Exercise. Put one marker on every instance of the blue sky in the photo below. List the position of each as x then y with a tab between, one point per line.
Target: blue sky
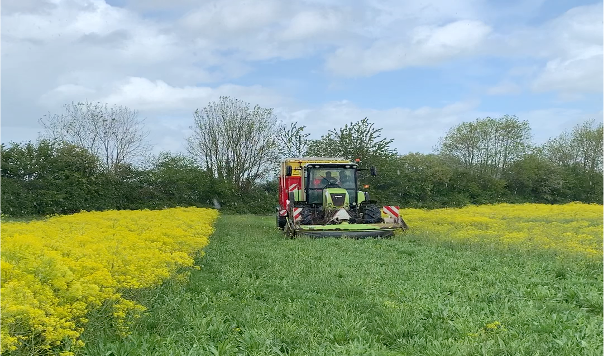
414	69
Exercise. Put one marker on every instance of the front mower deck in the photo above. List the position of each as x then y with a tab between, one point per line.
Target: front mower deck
357	231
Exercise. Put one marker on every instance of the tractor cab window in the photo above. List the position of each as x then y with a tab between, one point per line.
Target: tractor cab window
346	179
335	177
321	178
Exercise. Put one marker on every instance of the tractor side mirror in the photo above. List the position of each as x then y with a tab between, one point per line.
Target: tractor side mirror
288	171
373	171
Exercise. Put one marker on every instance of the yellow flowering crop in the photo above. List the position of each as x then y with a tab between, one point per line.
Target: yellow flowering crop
54	271
574	228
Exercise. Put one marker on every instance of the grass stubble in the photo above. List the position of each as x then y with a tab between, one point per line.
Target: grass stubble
258	293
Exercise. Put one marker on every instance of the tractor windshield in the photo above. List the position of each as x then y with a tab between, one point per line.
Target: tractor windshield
334	177
330	177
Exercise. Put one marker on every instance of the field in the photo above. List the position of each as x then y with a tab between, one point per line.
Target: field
504	280
260	294
571	229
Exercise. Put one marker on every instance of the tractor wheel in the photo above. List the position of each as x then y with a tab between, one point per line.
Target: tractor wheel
281	221
372	214
306	216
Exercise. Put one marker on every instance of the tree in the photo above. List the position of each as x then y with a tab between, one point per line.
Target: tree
355	140
177	180
234	141
361	140
422	180
114	134
293	141
578	154
487	145
581	147
535	179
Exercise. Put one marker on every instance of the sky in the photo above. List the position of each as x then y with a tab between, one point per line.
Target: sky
414	69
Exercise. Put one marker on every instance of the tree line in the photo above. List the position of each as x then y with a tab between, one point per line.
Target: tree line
91	157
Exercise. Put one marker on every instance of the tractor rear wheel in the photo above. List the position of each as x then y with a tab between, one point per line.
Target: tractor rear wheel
281	221
372	214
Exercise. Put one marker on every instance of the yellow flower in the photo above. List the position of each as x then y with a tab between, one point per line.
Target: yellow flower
54	271
573	228
493	326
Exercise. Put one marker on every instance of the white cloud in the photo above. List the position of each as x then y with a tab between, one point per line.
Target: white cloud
571	76
222	19
66	21
75	50
575	64
159	5
90	36
551	122
26	6
416	130
65	93
261	30
311	24
159	97
396	14
427	45
169	62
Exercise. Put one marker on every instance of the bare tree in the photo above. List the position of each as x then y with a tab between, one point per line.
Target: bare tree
115	134
293	141
234	141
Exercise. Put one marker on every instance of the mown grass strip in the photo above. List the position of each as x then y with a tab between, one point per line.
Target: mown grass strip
258	293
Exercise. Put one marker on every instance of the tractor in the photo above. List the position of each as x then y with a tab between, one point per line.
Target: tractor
320	197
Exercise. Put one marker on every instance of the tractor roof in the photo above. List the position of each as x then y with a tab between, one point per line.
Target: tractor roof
306	160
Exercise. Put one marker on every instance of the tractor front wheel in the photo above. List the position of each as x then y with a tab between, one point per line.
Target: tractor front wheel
372	214
306	216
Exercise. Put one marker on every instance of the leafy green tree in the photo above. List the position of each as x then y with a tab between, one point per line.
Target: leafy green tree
179	181
535	179
419	180
358	139
471	187
581	147
487	146
361	140
578	154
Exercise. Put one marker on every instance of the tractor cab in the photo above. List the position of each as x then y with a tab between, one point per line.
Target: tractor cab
331	184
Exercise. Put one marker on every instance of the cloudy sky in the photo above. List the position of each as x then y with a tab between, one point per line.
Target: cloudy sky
414	70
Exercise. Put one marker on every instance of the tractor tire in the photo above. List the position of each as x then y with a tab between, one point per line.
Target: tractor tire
281	221
306	216
372	214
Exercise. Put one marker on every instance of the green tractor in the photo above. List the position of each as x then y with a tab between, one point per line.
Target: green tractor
320	197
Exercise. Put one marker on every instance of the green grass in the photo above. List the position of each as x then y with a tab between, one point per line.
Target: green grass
258	293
